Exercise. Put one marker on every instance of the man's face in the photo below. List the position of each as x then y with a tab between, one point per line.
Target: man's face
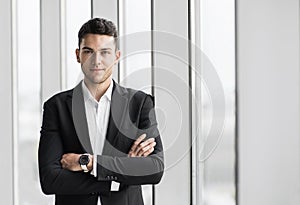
97	56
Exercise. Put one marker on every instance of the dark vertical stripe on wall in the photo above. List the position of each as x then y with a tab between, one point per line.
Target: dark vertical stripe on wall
118	17
60	50
118	26
92	8
14	96
152	73
152	52
189	29
41	57
236	110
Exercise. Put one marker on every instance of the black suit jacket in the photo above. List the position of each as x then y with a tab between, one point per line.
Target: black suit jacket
65	130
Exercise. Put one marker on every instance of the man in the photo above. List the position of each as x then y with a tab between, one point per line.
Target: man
99	141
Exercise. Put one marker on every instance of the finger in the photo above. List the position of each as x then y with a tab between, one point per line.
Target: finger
63	159
66	156
144	144
137	142
131	154
147	153
147	142
152	145
63	164
146	148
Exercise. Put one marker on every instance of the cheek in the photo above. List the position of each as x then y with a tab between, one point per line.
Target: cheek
104	62
110	60
85	65
86	60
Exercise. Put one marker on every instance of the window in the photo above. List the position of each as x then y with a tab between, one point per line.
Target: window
29	121
217	31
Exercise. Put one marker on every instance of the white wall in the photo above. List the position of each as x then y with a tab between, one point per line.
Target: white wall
6	172
268	102
51	59
171	91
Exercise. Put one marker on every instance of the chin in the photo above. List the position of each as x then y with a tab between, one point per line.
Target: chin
98	81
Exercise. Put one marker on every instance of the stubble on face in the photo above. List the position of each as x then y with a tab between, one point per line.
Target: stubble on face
96	75
97	56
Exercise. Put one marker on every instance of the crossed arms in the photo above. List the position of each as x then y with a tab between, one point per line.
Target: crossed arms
139	148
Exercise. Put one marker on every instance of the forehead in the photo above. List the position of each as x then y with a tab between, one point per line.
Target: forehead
97	41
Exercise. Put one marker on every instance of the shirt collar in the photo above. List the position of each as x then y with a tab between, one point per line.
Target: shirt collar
108	92
88	96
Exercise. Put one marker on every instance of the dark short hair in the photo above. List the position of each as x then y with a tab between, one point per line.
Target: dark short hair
98	26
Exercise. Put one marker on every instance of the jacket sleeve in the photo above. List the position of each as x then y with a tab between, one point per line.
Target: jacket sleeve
53	178
136	170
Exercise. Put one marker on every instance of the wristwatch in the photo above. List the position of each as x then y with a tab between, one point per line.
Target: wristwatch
84	159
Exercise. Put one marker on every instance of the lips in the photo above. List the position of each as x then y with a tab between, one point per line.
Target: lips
97	69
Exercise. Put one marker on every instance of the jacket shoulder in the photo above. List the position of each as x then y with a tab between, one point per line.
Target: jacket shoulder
59	97
133	94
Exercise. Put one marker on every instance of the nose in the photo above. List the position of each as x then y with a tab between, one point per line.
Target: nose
97	59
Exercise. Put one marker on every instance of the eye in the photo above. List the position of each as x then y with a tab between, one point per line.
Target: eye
105	52
87	51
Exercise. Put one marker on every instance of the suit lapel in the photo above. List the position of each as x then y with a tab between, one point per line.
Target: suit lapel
118	110
79	118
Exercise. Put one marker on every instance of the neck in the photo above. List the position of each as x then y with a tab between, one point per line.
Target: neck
98	89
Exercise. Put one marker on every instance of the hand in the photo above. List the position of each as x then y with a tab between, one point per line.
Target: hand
70	162
142	148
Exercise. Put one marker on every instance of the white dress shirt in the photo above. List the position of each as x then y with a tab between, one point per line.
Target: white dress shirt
97	114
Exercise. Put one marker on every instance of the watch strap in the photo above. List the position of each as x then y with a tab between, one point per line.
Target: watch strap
84	168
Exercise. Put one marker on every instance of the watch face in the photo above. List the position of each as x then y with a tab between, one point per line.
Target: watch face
84	159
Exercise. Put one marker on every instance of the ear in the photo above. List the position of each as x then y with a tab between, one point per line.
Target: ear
118	55
77	55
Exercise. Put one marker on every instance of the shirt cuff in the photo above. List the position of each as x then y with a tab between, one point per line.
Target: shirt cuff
94	170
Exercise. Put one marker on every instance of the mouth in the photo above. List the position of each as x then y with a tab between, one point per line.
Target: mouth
97	69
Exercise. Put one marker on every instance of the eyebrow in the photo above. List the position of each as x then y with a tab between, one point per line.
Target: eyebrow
88	48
